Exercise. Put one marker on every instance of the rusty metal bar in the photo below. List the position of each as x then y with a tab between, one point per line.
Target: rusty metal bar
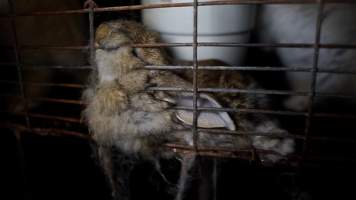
66	119
208	90
271	112
252	133
79	67
250	91
195	76
46	131
18	60
54	47
312	87
249	68
44	116
172	5
46	99
200	44
55	100
63	132
216	152
91	38
209	68
68	85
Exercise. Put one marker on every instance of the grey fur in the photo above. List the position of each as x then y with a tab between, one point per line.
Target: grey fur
122	114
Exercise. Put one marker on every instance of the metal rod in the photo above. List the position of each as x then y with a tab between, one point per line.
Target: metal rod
199	44
91	39
210	90
312	87
252	133
68	85
208	68
54	47
250	91
272	112
39	67
45	116
18	61
172	5
250	68
195	76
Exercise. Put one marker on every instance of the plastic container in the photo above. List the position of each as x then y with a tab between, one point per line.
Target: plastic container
221	23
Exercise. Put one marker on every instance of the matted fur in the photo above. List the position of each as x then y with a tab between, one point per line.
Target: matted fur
122	114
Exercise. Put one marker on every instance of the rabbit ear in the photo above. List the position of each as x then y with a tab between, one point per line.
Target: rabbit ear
206	119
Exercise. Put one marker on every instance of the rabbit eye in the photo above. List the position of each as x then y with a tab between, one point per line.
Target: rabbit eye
135	53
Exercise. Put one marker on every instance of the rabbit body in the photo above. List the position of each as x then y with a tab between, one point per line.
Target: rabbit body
121	112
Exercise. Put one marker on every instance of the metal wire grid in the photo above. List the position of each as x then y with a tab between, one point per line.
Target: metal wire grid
248	153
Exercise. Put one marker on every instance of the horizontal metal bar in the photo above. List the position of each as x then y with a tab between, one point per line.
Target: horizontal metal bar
200	44
249	68
249	91
250	45
60	118
41	67
210	90
45	99
47	131
44	116
209	68
243	110
53	100
264	111
172	5
280	134
335	115
67	85
53	47
217	152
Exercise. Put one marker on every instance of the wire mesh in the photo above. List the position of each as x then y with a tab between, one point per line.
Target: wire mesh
304	135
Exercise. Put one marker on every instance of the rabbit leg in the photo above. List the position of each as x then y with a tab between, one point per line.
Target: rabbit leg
187	163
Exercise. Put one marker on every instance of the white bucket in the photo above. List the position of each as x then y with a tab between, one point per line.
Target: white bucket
222	23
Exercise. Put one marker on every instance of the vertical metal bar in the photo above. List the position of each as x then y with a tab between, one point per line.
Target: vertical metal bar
18	62
91	38
314	76
195	75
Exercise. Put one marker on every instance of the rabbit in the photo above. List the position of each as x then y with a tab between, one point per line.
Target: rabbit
297	24
123	114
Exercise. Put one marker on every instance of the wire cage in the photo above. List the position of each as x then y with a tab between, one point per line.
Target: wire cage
70	124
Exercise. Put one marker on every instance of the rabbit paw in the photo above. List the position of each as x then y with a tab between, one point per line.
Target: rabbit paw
280	146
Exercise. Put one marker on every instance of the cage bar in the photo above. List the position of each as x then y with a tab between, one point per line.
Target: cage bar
312	87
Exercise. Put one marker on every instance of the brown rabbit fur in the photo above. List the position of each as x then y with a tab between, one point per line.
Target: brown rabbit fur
122	114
